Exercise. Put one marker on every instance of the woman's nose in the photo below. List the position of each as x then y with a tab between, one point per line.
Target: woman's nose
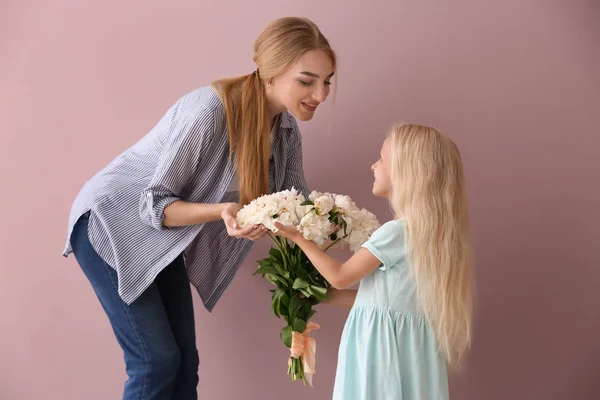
320	95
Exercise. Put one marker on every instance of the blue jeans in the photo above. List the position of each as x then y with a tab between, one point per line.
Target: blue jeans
156	332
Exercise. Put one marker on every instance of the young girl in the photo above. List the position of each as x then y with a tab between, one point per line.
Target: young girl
162	213
412	313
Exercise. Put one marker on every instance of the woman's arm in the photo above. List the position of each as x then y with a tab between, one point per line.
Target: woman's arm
177	164
161	205
182	213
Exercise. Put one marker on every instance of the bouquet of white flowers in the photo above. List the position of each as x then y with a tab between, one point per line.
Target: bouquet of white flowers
326	219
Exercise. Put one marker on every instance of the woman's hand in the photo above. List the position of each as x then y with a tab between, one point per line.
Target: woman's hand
229	214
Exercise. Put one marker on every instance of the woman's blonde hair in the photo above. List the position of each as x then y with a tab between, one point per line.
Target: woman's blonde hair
429	192
277	48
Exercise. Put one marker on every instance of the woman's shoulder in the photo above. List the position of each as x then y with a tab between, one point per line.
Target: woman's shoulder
200	100
202	105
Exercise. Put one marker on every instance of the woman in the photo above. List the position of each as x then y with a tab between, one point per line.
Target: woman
150	222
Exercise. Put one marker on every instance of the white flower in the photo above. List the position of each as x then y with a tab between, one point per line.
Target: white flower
324	204
312	220
356	239
315	227
362	225
268	209
314	195
251	214
301	211
344	203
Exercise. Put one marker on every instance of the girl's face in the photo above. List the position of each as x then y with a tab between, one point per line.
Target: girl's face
382	186
303	87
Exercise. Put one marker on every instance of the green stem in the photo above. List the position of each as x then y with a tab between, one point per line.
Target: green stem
331	245
274	240
301	370
284	252
282	246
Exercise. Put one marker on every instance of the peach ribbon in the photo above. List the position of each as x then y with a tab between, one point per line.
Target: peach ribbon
305	347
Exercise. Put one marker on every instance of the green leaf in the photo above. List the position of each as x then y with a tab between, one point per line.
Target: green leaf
276	255
285	300
302	274
273	278
306	307
276	302
306	293
318	289
307	203
276	307
286	336
292	261
318	292
294	306
281	271
299	325
300	284
304	311
265	270
310	314
316	277
295	303
333	216
266	262
310	275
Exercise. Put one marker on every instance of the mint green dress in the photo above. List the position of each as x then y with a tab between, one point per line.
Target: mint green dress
388	351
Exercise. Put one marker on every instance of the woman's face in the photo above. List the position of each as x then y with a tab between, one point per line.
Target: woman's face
302	87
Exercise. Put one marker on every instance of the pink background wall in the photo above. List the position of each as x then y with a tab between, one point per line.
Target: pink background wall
515	83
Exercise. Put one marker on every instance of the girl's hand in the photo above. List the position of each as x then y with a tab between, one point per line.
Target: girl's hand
288	232
229	215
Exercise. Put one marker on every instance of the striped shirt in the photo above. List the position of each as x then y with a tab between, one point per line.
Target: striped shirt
184	157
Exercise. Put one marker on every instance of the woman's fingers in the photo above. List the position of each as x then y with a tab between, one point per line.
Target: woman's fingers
259	233
252	232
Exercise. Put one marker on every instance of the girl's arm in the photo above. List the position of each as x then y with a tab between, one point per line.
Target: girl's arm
341	298
340	275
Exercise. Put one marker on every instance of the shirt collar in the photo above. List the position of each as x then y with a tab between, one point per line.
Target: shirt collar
284	120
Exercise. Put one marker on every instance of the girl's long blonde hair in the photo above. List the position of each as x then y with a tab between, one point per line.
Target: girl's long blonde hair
429	192
276	49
